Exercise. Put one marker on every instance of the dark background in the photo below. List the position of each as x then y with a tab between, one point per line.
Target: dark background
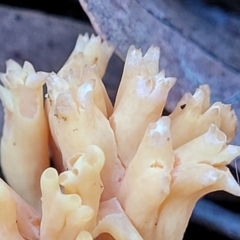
72	9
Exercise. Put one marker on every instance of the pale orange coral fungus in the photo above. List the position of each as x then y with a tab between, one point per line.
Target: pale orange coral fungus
124	171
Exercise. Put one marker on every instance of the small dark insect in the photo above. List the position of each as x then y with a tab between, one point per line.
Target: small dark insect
183	106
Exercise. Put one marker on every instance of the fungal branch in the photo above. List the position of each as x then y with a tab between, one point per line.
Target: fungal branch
122	171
